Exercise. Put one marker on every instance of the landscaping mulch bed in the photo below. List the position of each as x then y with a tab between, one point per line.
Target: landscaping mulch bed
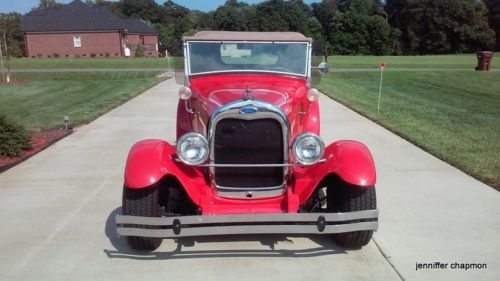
15	82
40	141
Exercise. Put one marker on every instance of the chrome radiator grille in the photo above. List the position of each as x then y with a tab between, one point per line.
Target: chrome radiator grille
254	133
258	141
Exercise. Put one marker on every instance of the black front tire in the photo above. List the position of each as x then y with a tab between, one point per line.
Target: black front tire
348	198
145	203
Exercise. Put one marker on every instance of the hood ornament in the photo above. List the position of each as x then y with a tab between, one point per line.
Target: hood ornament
247	94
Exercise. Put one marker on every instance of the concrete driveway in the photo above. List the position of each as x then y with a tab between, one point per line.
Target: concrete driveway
58	210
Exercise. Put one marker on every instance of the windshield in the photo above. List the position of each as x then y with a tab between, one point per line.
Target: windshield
287	58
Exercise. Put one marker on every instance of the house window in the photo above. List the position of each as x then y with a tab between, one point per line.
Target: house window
77	42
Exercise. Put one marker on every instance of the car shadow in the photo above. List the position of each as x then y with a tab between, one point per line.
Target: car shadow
325	247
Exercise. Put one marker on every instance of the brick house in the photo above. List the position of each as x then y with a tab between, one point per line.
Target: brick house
78	30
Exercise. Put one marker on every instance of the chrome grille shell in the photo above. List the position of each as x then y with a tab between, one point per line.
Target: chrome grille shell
263	110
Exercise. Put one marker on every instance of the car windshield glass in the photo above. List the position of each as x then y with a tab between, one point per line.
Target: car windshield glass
207	57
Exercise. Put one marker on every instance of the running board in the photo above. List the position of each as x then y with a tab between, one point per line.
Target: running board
297	223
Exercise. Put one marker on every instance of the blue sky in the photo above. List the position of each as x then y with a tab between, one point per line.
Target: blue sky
23	6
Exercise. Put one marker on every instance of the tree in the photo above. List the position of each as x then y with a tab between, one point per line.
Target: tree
139	51
175	22
206	21
298	16
14	139
113	6
360	29
172	12
270	16
165	36
315	30
10	24
146	10
441	26
367	7
325	11
49	4
344	26
279	15
494	19
233	16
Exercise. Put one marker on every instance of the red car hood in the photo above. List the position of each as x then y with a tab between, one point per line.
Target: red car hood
284	92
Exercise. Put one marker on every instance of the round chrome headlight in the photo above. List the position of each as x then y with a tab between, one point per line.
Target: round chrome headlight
308	149
192	149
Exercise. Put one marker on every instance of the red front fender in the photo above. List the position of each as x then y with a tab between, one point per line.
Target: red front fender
353	162
149	161
350	160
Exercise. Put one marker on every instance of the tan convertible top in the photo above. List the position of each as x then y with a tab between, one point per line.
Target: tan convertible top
247	36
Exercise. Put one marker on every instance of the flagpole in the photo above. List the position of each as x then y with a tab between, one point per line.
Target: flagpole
382	66
1	61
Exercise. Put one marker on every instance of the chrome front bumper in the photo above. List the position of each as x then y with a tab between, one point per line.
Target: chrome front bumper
299	223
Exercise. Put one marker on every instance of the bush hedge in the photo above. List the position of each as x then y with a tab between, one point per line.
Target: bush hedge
14	139
139	51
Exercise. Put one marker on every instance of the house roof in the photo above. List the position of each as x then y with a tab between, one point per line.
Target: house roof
77	16
248	36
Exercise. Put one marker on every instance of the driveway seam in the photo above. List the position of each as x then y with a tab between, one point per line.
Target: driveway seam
387	258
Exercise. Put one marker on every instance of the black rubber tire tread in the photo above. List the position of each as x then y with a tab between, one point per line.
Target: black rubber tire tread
348	198
143	202
178	202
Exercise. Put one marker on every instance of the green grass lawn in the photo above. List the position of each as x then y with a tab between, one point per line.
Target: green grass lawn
453	115
45	98
466	61
24	63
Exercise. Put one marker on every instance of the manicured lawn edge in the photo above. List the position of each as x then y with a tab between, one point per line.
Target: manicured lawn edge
134	95
10	162
28	155
408	139
80	95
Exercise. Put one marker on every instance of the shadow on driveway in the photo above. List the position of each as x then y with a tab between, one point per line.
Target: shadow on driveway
121	249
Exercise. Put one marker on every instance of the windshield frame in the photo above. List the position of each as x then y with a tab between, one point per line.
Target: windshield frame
187	59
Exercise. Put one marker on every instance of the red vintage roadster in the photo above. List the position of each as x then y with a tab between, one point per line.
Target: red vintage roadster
248	157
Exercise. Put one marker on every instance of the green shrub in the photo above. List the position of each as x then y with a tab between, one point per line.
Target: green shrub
13	138
139	51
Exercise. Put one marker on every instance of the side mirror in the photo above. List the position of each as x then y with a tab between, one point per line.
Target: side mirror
323	68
